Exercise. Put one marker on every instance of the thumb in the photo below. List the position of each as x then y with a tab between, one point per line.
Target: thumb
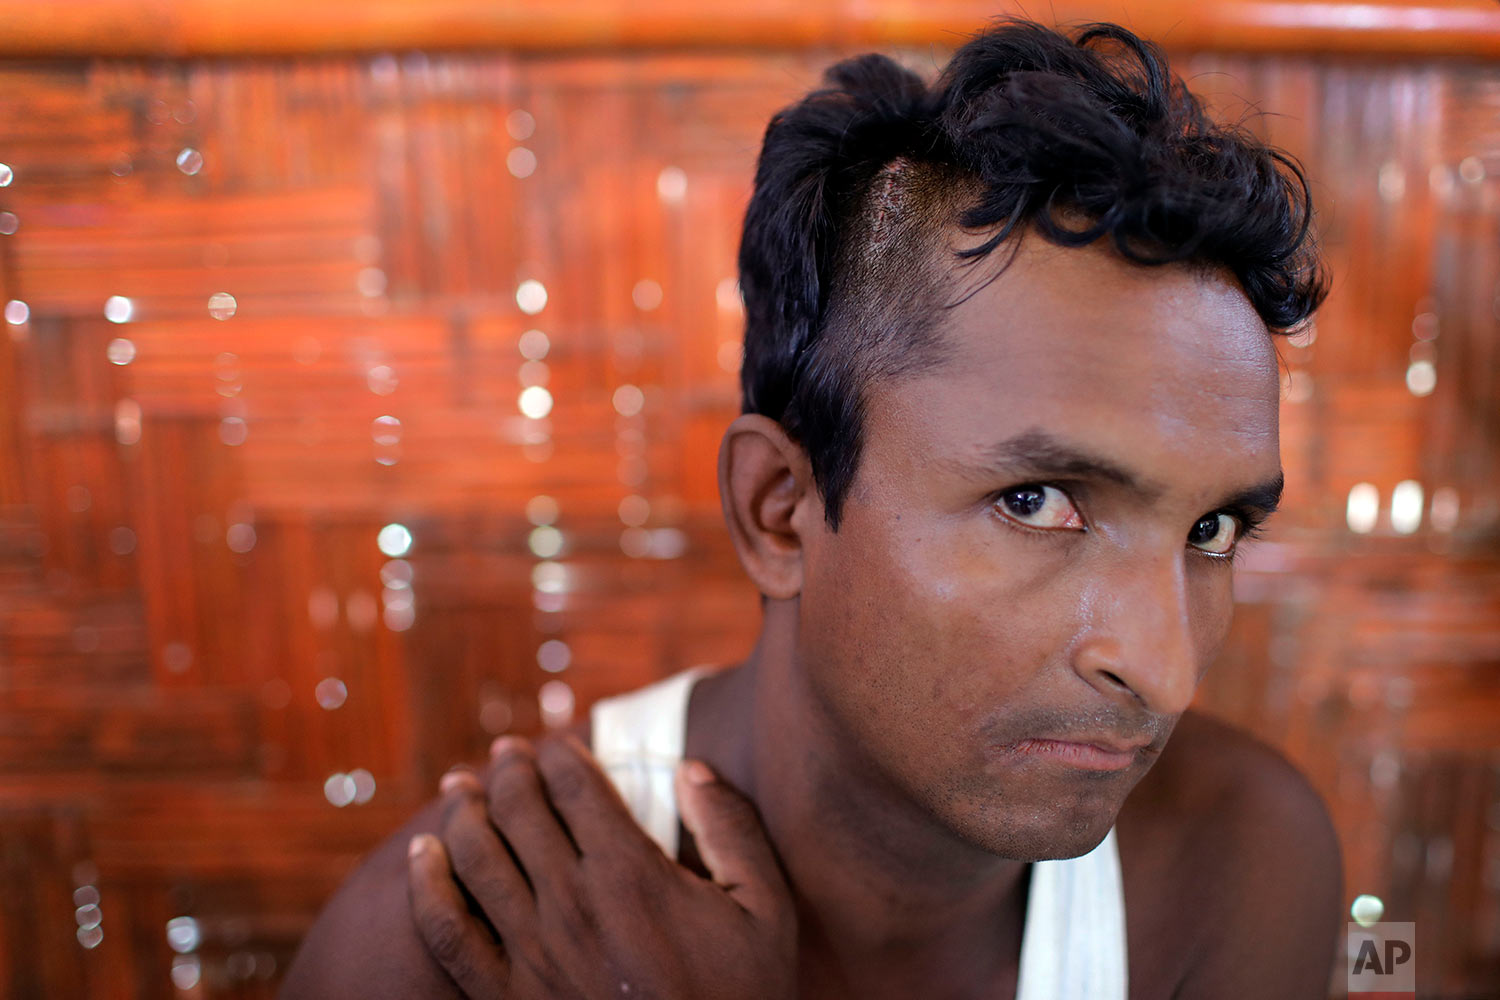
731	840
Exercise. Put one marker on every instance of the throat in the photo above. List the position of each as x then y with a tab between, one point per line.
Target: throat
977	957
886	906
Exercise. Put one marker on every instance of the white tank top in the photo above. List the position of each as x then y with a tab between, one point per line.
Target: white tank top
1073	944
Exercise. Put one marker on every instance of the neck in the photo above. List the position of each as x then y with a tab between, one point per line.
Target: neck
877	879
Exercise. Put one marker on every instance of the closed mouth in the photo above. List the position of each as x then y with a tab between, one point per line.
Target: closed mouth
1091	753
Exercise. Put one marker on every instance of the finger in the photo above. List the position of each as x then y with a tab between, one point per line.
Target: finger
458	941
588	802
460	779
731	840
483	864
519	808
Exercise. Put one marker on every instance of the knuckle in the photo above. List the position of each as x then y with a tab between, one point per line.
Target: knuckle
481	867
576	916
612	881
571	899
443	932
629	882
494	892
550	972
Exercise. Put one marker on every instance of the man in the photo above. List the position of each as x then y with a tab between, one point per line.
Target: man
1010	407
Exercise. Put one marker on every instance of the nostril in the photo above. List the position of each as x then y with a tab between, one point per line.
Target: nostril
1115	679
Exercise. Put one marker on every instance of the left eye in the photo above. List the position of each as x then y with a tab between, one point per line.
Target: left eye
1215	534
1039	506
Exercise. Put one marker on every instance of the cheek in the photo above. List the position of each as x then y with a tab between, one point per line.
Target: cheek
938	621
1211	611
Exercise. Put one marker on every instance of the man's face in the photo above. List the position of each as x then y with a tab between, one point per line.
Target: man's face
1031	572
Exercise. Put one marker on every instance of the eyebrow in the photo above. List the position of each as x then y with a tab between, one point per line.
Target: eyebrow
1041	454
1262	498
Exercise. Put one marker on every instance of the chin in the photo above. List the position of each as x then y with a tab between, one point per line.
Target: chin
1045	832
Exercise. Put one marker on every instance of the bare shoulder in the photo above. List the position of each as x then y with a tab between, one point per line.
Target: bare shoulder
1226	784
1229	850
364	944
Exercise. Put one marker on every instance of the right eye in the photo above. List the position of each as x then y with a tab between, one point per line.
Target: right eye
1037	506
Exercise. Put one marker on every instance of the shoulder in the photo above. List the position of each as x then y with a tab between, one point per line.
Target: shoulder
364	944
1238	851
1239	788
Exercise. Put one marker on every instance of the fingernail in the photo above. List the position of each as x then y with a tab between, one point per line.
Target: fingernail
419	844
695	772
503	745
454	780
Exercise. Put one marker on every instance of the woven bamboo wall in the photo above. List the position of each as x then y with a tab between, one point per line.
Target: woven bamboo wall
261	309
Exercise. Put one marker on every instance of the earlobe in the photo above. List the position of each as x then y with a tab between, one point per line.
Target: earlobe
764	477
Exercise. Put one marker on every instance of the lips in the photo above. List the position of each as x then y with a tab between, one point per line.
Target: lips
1112	744
1089	753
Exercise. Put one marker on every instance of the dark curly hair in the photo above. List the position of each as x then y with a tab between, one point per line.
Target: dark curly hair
1027	130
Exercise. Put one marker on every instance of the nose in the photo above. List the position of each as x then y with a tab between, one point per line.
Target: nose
1138	647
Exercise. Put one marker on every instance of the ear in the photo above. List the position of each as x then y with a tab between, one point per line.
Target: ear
769	499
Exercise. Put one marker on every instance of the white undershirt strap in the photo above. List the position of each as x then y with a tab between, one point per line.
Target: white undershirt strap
638	739
1073	947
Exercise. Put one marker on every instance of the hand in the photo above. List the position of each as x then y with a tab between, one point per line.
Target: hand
584	904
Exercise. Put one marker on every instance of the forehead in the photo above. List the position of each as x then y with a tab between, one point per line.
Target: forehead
1170	366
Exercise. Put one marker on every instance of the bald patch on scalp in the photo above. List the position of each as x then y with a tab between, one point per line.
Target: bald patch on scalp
897	266
904	208
885	201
